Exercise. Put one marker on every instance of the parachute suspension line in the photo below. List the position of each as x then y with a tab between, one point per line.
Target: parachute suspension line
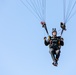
64	9
59	32
68	9
71	16
34	7
44	15
38	9
43	4
44	9
62	25
39	6
67	19
41	9
30	10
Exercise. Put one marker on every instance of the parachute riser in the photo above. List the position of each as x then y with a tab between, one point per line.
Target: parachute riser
45	27
63	27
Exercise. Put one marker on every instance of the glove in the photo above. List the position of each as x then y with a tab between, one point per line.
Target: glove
44	38
61	23
62	39
49	37
50	41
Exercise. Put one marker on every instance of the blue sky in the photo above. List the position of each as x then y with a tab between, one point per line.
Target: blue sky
22	50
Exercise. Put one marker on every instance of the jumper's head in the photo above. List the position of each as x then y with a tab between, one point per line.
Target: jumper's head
54	32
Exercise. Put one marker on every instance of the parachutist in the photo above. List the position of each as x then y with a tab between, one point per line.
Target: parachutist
38	9
55	42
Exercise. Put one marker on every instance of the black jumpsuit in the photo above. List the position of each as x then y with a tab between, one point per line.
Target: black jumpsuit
54	45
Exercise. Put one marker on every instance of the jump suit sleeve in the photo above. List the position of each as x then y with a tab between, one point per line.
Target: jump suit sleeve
46	42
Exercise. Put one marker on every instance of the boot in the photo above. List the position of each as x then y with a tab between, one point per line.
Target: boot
55	63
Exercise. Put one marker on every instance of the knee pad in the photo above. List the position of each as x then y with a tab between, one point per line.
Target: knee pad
57	51
51	50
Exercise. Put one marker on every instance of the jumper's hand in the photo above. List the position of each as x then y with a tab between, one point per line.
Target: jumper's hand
44	38
50	41
62	39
